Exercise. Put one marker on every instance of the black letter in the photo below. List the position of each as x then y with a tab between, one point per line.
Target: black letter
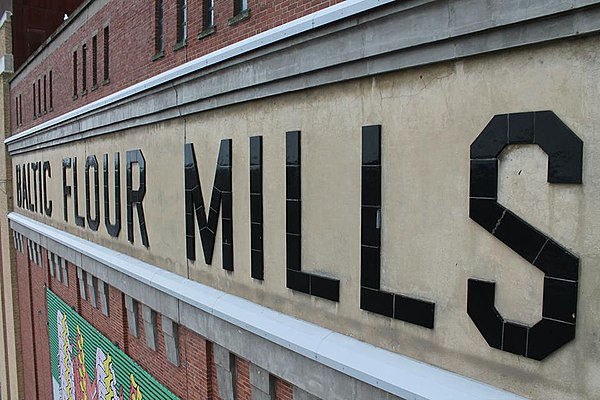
47	173
29	187
92	162
372	298
560	267
135	197
39	170
66	163
79	221
18	181
34	167
194	202
113	230
25	191
320	286
256	208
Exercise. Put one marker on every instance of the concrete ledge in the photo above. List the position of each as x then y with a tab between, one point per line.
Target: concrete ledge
338	366
354	39
6	17
6	64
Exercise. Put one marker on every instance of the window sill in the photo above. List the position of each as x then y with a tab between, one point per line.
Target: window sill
241	16
83	92
180	45
207	32
75	97
94	87
106	81
158	55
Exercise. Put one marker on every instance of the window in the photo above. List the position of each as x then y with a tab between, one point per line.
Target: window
94	62
38	257
58	268
158	29
45	86
92	282
82	278
239	6
103	287
171	338
181	21
150	331
132	315
39	97
209	14
30	249
106	55
51	264
50	87
20	110
75	74
65	271
17	110
84	69
34	109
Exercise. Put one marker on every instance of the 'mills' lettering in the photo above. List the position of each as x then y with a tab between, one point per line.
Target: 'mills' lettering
194	204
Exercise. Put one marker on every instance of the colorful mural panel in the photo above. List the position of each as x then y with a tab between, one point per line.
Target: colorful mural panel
87	366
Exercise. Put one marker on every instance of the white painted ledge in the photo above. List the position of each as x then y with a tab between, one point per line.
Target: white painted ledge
391	372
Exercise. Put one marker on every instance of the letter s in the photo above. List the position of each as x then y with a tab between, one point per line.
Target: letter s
560	267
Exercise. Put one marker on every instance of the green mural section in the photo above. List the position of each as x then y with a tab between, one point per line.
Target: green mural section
87	366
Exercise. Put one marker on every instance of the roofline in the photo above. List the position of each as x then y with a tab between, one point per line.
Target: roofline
309	22
79	10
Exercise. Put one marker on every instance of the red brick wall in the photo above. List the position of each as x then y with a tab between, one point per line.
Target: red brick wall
131	47
68	294
113	326
39	281
283	390
242	379
200	366
156	362
194	379
25	314
32	281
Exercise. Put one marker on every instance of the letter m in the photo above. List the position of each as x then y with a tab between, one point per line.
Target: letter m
194	206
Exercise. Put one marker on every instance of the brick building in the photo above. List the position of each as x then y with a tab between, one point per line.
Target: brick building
363	266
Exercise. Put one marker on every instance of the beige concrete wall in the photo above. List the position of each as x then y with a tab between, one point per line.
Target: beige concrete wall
430	247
